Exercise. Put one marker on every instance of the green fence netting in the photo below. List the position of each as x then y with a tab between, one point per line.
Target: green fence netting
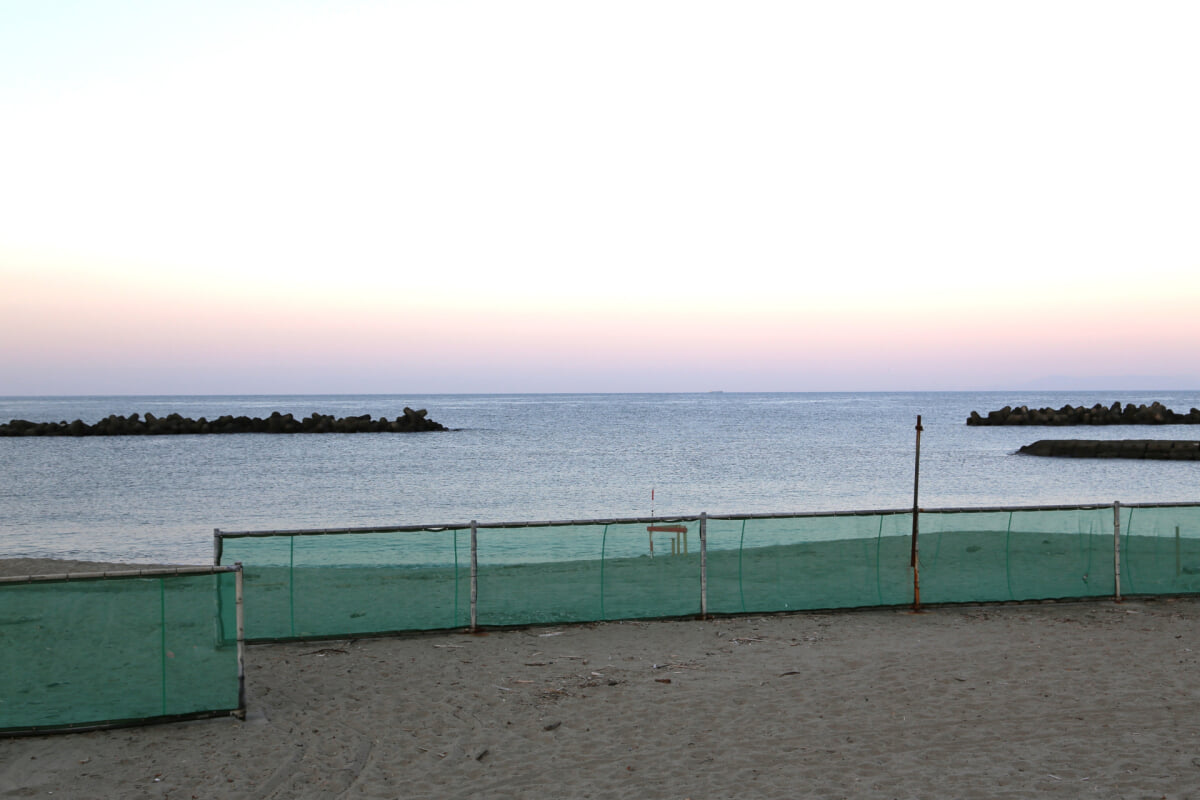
332	584
124	648
808	562
1160	549
1036	554
585	572
322	584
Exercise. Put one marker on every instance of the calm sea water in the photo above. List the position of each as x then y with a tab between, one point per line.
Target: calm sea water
541	457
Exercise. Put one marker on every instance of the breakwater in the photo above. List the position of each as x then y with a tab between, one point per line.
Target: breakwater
410	421
1154	414
1162	449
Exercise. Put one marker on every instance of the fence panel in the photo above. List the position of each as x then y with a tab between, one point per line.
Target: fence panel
638	585
807	562
1034	554
124	648
342	584
1160	549
545	574
1061	553
267	571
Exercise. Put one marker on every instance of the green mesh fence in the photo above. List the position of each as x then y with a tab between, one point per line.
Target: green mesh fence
585	572
120	649
1036	554
562	580
334	584
1160	549
357	582
807	562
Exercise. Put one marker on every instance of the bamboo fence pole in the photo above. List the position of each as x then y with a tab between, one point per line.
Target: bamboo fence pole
474	577
916	511
240	613
1117	549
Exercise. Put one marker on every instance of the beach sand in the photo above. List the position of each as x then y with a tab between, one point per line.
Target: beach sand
1092	699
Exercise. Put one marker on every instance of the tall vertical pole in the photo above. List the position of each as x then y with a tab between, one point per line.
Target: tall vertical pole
1117	549
474	578
703	565
916	524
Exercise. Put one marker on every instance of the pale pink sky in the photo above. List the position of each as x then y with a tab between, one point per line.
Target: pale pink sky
627	196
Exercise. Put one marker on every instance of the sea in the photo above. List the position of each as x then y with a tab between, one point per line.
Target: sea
541	457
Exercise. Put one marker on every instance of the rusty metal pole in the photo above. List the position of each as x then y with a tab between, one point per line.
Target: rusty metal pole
916	524
703	565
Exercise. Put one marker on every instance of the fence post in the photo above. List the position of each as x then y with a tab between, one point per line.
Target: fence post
240	617
1117	549
162	639
1177	568
916	525
704	565
292	585
474	579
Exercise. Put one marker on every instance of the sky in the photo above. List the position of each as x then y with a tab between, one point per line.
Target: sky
427	196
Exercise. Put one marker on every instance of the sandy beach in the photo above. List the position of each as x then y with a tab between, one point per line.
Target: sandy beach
1090	699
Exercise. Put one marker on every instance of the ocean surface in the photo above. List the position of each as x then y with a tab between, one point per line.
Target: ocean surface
514	458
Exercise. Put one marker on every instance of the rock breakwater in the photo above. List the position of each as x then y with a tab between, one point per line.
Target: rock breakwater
1154	414
410	421
1165	449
